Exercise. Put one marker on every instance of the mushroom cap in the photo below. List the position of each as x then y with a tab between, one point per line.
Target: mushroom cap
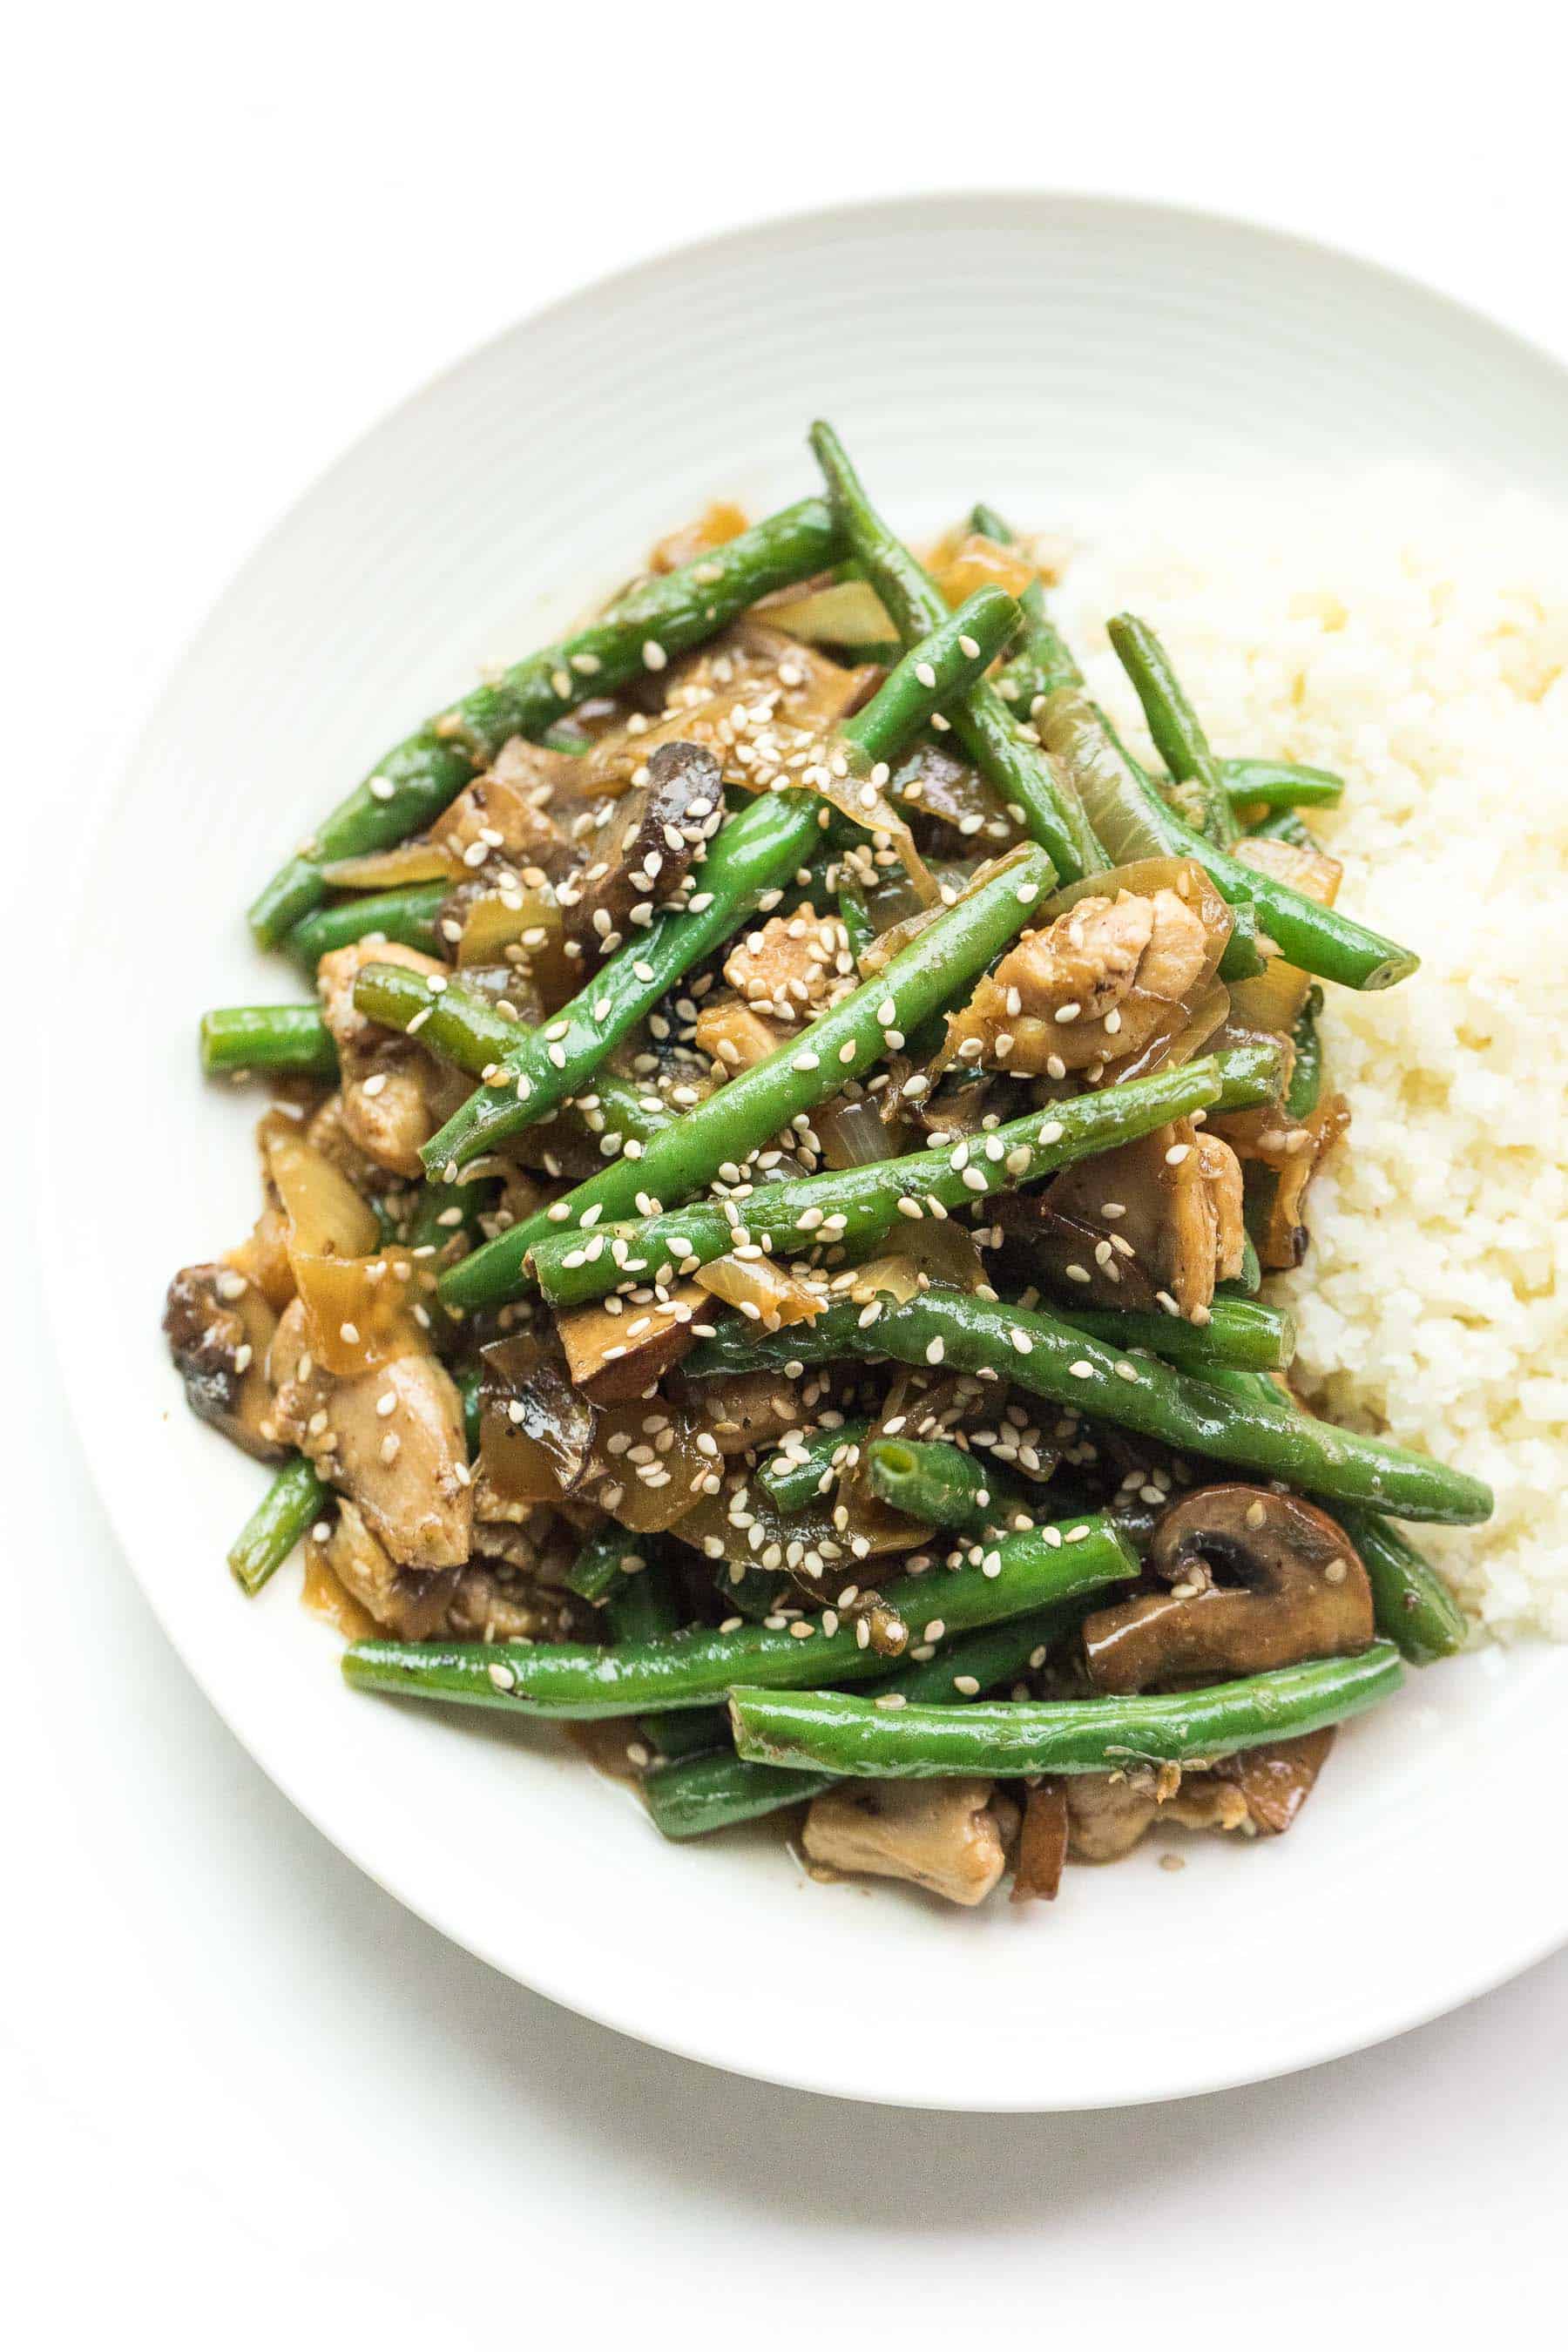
1298	1590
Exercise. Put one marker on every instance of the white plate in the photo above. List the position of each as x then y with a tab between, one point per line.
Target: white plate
1019	348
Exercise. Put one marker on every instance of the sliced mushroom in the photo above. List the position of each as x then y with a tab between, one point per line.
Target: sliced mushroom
747	1409
1281	1156
1155	1222
1042	1844
220	1331
613	1358
410	1602
658	832
1299	1590
1276	1778
948	1836
386	1077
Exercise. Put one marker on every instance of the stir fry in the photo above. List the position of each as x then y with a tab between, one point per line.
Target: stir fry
766	1223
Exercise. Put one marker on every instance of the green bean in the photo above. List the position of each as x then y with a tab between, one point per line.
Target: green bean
858	926
1239	1332
981	719
1411	1602
1242	959
645	1608
406	915
1284	825
1280	784
1040	660
578	1682
1173	724
814	1731
696	1732
1306	1083
844	1043
291	1037
295	1498
716	1792
466	1029
1135	823
469	1385
947	1488
753	851
666	615
1042	1353
444	1212
608	1555
853	1205
797	1472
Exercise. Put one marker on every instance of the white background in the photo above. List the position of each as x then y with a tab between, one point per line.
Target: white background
245	2098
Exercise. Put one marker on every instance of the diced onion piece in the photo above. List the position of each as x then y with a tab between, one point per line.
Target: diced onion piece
854	1134
1275	998
848	613
764	1284
396	868
371	1299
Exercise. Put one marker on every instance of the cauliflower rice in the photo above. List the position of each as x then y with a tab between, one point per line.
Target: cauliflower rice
1410	632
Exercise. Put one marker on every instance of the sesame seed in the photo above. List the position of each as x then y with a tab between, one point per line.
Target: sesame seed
653	656
935	1351
1081	1370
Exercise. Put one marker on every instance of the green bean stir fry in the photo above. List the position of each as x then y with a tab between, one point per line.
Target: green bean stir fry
767	1218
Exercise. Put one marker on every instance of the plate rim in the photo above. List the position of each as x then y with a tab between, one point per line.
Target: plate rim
130	740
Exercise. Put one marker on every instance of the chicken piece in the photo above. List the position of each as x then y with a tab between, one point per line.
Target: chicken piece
747	1409
392	1440
754	697
410	1602
326	1131
1287	1153
1111	1813
220	1331
385	1077
734	1037
1094	987
505	816
788	970
613	1358
1155	1222
948	1836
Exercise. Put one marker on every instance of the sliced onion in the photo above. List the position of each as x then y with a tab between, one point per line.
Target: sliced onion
763	1283
849	612
419	860
854	1134
1275	998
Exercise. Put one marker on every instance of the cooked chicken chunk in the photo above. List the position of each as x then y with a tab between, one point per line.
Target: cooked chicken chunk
505	817
1108	1813
788	969
385	1077
734	1037
1093	987
392	1440
409	1602
949	1836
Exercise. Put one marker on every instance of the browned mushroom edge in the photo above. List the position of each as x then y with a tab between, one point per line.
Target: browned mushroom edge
1296	1589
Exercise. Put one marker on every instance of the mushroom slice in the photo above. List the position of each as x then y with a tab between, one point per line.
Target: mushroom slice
220	1331
1276	1778
410	1602
1155	1221
613	1359
1300	1591
1042	1844
948	1836
660	828
386	1077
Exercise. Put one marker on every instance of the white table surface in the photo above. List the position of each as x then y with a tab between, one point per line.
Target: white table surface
247	2098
